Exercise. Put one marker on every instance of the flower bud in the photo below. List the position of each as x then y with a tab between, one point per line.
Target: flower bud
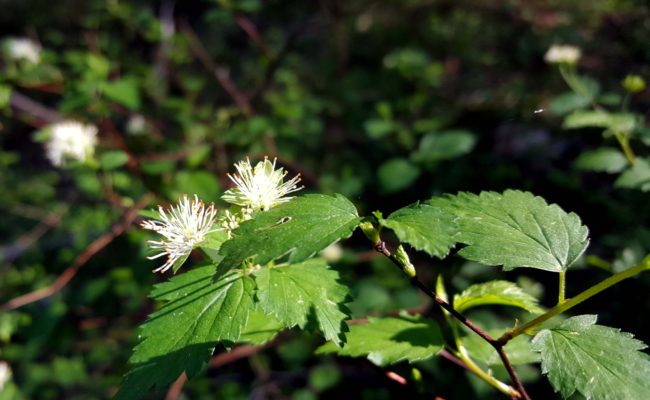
405	263
634	83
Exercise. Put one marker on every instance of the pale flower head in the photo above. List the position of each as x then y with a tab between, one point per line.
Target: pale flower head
5	374
562	54
70	140
262	187
183	227
23	49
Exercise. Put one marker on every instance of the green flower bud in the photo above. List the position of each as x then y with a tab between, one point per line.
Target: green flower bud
405	263
634	83
370	231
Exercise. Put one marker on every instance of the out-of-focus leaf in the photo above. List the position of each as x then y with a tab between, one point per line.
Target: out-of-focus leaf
397	174
123	91
567	102
445	145
617	122
201	183
519	350
636	177
113	159
605	159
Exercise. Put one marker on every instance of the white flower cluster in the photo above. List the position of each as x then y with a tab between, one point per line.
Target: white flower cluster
184	228
23	49
262	187
70	140
562	54
186	225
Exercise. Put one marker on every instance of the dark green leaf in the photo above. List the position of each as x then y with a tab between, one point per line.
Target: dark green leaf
605	159
181	336
597	361
300	227
389	340
295	292
516	229
260	328
496	292
424	227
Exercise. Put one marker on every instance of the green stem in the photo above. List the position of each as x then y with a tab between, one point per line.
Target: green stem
461	353
561	289
569	76
574	301
624	142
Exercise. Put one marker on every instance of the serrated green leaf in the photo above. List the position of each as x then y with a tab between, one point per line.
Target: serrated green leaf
181	336
605	159
293	292
597	361
636	177
516	229
300	227
519	350
212	244
389	340
260	328
424	227
619	122
496	292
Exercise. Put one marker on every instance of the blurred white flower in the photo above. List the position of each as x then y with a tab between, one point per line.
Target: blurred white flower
332	253
183	227
5	374
70	140
136	125
262	187
23	49
562	54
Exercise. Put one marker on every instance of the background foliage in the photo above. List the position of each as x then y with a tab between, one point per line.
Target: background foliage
385	102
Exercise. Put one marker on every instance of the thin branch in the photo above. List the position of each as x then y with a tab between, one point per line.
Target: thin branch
25	105
251	30
498	345
12	252
222	74
219	360
95	247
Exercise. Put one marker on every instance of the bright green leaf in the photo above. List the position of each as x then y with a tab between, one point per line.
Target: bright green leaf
516	229
597	361
424	227
637	177
113	159
605	159
496	292
389	340
260	328
212	243
123	91
292	292
300	227
181	336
